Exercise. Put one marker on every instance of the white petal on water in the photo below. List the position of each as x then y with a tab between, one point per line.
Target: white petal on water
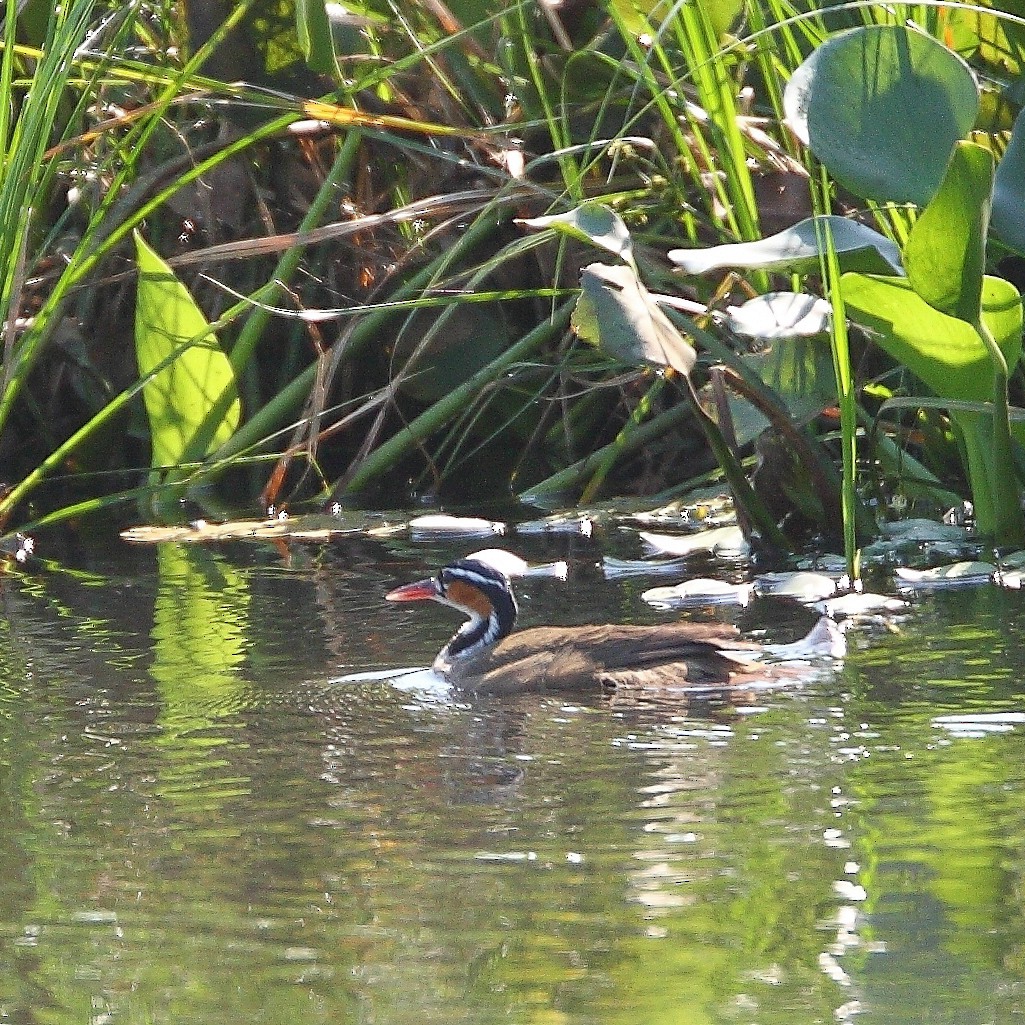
803	586
699	591
955	574
719	541
860	604
513	566
463	526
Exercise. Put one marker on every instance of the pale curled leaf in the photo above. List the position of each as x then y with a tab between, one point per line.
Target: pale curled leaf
616	313
798	249
776	315
590	222
882	107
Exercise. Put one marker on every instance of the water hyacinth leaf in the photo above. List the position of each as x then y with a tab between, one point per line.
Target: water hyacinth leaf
591	222
946	253
797	250
616	313
197	377
776	315
882	107
945	353
1009	191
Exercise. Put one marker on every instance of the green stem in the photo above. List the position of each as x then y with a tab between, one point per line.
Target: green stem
1008	525
432	419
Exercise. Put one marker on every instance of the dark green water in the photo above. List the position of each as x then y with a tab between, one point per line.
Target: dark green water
201	827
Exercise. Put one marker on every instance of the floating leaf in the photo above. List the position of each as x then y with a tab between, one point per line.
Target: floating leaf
881	107
797	249
197	381
616	313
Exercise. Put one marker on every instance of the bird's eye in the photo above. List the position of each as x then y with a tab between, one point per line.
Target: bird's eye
441	582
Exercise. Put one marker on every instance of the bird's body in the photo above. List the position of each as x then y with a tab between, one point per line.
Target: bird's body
486	657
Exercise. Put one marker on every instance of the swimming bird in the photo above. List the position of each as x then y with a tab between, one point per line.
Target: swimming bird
486	657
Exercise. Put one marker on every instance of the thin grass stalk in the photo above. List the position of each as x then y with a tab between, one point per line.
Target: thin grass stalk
717	95
621	445
840	347
571	174
263	423
572	478
88	252
404	441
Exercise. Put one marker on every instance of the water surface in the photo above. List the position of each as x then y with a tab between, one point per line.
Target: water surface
203	825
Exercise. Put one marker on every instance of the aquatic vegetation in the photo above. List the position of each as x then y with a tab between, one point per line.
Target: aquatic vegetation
540	253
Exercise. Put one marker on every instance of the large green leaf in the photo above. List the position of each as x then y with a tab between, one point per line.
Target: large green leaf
881	107
947	354
191	376
946	254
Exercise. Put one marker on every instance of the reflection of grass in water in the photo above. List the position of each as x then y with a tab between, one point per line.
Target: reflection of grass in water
200	639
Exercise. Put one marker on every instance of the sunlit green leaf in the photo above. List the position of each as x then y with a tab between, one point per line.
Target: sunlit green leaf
945	353
946	253
190	374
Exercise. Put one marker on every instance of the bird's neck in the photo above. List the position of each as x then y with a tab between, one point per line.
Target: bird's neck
480	633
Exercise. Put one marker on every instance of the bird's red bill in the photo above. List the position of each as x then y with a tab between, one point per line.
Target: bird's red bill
421	590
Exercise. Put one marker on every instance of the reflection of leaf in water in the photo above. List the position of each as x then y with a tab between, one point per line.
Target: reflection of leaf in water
200	626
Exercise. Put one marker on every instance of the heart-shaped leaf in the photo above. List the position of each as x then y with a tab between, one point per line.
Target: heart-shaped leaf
881	107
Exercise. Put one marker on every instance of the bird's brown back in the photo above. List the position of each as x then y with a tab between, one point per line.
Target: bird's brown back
590	658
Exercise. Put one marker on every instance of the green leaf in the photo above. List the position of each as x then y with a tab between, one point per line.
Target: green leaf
946	353
314	31
1009	191
796	249
190	374
616	313
882	107
946	253
589	222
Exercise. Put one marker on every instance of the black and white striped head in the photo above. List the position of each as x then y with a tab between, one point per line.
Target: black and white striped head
480	591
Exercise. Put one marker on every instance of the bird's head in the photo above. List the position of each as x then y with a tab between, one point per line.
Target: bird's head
480	591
